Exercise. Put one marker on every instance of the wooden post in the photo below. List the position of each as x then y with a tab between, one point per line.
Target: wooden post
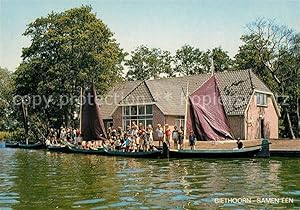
185	115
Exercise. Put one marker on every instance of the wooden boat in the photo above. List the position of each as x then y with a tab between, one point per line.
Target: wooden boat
285	153
32	146
222	153
12	144
58	148
148	154
73	149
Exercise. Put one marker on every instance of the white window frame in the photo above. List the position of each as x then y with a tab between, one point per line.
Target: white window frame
179	121
261	99
138	117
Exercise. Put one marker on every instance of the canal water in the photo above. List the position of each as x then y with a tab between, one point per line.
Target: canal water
39	179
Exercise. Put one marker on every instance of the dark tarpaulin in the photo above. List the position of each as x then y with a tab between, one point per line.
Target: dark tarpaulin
92	123
206	114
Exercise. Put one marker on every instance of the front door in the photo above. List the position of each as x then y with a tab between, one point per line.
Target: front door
262	128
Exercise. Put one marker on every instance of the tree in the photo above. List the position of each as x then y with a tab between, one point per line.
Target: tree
68	50
7	112
146	63
272	51
190	60
222	61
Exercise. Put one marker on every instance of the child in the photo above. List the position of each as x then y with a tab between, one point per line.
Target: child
192	140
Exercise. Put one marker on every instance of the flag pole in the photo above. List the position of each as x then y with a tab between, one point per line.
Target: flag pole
186	110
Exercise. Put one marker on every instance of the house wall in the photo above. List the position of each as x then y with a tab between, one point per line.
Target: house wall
117	117
236	123
158	118
254	115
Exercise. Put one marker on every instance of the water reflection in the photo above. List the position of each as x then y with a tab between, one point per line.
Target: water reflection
40	179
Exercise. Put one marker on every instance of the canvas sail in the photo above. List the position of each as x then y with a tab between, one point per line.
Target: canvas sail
206	115
92	123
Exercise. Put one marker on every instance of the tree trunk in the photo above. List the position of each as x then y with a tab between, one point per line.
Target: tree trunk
290	125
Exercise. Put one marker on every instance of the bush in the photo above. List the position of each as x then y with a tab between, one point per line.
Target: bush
4	135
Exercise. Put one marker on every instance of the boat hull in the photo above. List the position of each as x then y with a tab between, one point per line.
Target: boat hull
11	145
149	154
285	153
239	153
85	151
32	146
55	148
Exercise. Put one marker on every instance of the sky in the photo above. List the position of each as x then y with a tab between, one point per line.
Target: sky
166	24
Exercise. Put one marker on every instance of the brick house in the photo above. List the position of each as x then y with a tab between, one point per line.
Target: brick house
250	106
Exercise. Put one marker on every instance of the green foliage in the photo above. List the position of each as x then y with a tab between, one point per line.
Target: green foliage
148	63
17	135
68	50
190	61
221	59
7	109
4	135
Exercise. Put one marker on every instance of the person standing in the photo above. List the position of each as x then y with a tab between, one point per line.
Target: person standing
180	137
175	137
149	133
168	134
192	140
160	134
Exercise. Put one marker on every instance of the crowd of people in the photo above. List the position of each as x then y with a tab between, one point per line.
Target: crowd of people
134	138
140	138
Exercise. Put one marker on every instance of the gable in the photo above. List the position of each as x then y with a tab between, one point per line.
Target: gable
139	95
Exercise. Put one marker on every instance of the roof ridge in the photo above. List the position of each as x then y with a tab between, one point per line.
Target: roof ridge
197	75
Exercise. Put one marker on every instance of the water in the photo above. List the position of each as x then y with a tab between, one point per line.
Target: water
38	179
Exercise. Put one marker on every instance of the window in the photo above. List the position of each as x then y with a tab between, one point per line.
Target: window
133	110
149	109
139	114
179	121
141	110
261	99
126	110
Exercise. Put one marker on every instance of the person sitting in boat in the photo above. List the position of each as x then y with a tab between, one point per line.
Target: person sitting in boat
192	140
48	142
83	145
79	139
118	144
240	144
